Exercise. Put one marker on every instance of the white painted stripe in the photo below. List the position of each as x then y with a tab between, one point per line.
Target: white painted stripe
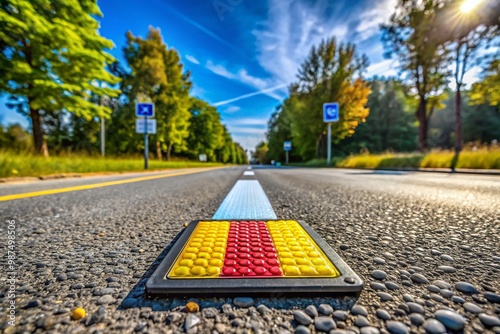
249	173
247	200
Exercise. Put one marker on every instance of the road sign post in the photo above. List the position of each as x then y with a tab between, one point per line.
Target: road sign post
145	110
287	146
331	113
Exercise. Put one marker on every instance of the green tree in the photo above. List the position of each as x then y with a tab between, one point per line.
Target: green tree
389	126
331	72
465	33
14	137
423	59
50	56
260	153
205	130
279	131
488	89
157	76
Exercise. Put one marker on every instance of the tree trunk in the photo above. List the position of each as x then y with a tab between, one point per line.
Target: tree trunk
159	156
38	140
422	125
459	141
169	151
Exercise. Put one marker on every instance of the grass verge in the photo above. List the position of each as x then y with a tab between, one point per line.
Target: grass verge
483	158
18	165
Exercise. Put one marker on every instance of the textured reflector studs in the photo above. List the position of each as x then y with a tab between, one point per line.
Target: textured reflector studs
250	251
298	254
203	255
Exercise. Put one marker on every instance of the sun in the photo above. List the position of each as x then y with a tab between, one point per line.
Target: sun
469	5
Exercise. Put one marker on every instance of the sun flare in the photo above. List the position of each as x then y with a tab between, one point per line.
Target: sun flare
469	5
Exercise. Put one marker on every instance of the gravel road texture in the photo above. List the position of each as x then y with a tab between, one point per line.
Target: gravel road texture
427	246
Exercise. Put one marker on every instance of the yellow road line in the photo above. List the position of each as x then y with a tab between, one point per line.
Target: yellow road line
98	185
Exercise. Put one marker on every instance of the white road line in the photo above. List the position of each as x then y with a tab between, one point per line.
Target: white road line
246	200
248	173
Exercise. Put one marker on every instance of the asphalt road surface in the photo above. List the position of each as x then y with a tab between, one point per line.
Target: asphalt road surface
411	236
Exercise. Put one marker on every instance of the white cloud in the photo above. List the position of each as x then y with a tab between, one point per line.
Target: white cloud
192	59
371	19
386	68
264	86
293	27
232	109
266	91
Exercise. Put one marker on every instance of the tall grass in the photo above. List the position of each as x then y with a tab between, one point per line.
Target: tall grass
482	158
25	164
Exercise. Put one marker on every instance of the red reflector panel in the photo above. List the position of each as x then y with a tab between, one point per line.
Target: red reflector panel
250	251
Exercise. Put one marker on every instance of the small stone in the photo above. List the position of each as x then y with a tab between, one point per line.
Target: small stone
447	269
61	311
174	317
129	303
383	314
379	274
492	297
435	252
406	283
192	307
419	278
106	299
340	315
450	319
361	321
369	330
378	260
77	286
472	308
432	326
408	298
140	326
324	324
446	293
489	320
377	286
325	309
457	299
391	285
301	329
221	328
344	247
359	310
415	308
397	327
226	308
447	257
437	298
442	284
44	323
302	318
466	287
209	312
243	302
263	309
312	311
433	288
238	322
33	304
191	321
97	316
384	296
416	319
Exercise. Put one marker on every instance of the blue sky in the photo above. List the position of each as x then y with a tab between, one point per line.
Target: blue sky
242	54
